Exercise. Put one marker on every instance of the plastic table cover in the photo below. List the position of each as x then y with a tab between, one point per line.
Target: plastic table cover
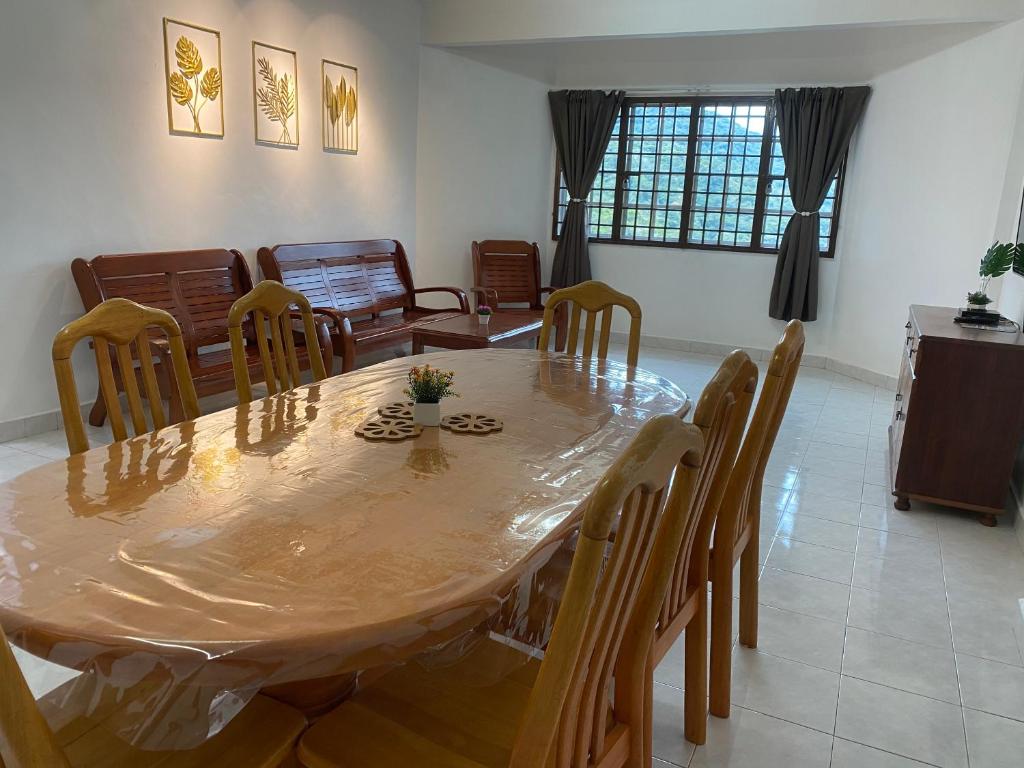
184	570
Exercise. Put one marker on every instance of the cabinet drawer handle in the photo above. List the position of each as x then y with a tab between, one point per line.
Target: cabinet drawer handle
899	414
899	396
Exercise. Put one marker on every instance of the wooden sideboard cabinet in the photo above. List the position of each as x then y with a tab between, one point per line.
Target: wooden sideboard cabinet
959	414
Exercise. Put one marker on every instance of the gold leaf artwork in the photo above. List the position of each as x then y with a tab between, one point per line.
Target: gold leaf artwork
189	82
340	103
276	99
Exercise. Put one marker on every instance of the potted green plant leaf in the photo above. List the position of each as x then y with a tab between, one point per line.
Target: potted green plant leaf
427	388
996	262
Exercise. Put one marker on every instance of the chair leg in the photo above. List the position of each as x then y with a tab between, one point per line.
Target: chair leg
695	696
748	592
98	413
721	637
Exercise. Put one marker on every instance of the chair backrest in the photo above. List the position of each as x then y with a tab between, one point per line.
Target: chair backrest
356	277
721	416
509	271
741	505
121	323
593	297
270	304
196	287
26	740
568	706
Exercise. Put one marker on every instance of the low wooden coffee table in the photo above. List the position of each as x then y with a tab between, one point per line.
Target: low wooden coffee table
466	332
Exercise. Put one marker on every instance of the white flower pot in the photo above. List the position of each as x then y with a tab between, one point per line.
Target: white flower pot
484	319
426	414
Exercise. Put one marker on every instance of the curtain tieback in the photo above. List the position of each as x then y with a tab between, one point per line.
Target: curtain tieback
577	199
804	213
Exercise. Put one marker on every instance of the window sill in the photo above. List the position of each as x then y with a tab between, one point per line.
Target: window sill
691	246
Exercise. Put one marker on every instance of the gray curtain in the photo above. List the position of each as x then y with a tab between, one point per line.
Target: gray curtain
583	122
815	127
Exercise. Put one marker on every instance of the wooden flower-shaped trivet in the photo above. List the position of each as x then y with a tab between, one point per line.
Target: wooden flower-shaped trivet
471	423
387	428
401	410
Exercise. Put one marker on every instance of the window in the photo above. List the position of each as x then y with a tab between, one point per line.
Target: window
701	172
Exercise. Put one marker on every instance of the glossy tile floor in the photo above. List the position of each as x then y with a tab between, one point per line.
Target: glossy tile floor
887	639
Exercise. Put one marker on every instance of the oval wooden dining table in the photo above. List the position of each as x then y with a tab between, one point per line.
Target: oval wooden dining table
267	544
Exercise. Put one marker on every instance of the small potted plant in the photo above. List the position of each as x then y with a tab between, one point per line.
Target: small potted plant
996	262
483	313
427	388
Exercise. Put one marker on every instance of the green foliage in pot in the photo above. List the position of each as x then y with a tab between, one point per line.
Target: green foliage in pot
978	299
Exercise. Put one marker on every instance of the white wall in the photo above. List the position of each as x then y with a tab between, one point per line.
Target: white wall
720	297
924	193
88	165
1011	296
483	167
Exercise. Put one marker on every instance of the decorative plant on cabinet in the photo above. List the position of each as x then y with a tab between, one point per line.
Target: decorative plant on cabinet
996	262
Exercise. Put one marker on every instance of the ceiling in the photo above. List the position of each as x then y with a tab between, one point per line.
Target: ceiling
803	56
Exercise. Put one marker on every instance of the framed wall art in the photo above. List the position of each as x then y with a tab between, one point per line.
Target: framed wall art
340	107
193	79
275	94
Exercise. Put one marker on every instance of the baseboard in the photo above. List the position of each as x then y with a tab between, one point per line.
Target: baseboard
762	355
37	424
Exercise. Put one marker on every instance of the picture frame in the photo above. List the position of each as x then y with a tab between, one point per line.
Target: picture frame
339	107
191	81
275	95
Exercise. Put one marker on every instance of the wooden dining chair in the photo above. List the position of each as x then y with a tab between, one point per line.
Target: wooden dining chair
262	735
738	525
121	323
499	706
270	304
720	415
593	297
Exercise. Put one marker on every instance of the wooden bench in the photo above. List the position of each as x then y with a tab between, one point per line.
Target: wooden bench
197	288
364	285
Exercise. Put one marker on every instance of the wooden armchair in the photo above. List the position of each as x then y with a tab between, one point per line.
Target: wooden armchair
506	277
739	520
270	303
501	707
121	323
262	735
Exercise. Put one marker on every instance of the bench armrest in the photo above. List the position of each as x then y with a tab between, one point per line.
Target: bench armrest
456	292
340	322
489	296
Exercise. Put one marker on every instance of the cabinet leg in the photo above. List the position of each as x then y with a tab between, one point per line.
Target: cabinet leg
988	520
902	503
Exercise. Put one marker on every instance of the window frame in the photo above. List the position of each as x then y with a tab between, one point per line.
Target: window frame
763	179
